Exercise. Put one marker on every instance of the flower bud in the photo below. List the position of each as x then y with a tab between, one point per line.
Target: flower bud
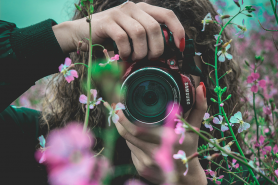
225	16
214	156
229	71
227	43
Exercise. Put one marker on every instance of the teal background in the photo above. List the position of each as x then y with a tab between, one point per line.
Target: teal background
26	12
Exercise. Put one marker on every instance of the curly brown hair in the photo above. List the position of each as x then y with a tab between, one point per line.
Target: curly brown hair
61	103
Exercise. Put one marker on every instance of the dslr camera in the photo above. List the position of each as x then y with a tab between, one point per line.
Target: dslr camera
149	86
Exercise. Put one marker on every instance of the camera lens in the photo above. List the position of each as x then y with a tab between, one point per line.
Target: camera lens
150	98
146	94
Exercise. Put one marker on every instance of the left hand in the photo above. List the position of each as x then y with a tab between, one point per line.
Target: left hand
144	142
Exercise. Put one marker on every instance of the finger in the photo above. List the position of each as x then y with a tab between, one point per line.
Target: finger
115	32
152	27
165	16
144	146
136	32
197	113
150	135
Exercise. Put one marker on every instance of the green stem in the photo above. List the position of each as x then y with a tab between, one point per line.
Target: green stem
221	149
222	76
239	148
257	124
81	64
89	76
273	8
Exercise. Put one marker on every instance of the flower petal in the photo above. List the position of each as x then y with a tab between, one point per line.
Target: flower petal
255	75
229	56
69	78
68	62
224	128
119	106
73	73
115	118
94	93
91	106
262	83
238	115
254	88
61	67
83	99
250	79
216	120
221	58
206	116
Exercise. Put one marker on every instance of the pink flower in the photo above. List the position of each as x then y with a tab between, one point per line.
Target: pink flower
275	149
264	149
181	155
219	17
221	122
180	130
267	110
253	78
68	74
276	172
207	120
163	155
83	99
208	171
68	157
214	178
234	165
109	60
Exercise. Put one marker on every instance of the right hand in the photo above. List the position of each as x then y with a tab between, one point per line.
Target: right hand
138	21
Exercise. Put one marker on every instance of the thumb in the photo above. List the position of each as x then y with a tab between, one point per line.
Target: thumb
197	113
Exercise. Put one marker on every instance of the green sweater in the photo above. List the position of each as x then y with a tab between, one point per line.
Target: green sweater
27	55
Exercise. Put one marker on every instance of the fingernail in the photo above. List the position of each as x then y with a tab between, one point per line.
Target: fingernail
182	44
204	89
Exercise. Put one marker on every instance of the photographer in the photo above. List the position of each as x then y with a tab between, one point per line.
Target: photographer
29	54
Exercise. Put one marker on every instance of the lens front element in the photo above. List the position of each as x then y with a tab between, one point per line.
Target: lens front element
146	94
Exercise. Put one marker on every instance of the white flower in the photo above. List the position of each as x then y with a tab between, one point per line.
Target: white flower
223	54
227	148
113	111
237	118
215	141
181	155
206	21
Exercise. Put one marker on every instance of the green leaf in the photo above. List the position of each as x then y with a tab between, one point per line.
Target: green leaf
92	9
77	7
248	15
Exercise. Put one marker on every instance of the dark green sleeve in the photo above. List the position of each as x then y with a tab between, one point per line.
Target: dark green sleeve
26	55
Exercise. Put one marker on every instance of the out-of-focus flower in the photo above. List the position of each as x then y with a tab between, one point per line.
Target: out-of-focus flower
219	43
261	145
224	126
215	141
198	53
237	118
267	110
68	157
209	171
275	149
214	178
234	164
83	99
206	21
113	110
213	156
108	59
243	29
227	148
68	74
223	53
253	78
180	130
181	155
276	172
207	119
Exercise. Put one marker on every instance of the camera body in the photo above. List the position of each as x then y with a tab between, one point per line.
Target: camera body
149	86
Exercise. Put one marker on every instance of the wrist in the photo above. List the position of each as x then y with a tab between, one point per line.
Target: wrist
64	34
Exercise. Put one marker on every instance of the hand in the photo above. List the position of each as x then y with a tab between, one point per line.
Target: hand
138	21
144	142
